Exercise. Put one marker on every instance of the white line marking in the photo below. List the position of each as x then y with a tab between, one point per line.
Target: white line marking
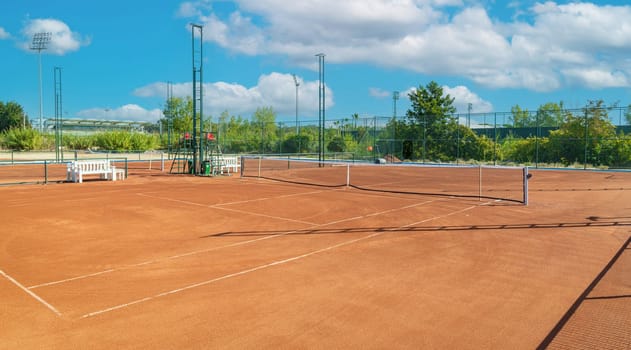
227	209
260	267
71	279
35	296
243	272
203	251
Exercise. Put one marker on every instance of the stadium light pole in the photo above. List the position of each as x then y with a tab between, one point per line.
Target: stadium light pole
321	104
59	155
297	83
469	108
40	42
395	98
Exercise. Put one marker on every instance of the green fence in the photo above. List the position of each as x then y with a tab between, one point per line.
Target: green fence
579	138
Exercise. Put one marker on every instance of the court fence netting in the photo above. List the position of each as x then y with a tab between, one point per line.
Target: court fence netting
461	181
41	167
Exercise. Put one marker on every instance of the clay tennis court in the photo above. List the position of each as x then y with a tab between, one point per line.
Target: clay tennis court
164	261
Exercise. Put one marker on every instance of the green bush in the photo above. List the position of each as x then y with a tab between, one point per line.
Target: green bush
126	141
22	139
75	142
144	142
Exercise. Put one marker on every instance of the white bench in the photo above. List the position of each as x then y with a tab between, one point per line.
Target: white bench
221	164
77	169
230	164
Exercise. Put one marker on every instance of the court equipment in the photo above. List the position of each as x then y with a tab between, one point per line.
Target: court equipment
463	181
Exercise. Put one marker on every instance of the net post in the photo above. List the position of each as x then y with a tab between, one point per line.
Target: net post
242	166
260	160
161	161
348	175
525	179
46	172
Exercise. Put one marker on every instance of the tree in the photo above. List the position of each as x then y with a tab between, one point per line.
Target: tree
550	115
521	117
337	144
179	113
581	138
12	116
264	120
429	116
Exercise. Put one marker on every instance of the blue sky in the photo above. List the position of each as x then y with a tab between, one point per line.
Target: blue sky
117	55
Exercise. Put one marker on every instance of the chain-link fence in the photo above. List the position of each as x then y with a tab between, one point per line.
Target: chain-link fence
598	137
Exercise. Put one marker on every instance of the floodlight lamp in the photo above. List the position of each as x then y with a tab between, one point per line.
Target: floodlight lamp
40	41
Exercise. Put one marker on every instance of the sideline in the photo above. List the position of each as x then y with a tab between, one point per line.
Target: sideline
35	296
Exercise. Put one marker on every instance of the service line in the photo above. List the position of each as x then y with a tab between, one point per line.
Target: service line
203	251
268	265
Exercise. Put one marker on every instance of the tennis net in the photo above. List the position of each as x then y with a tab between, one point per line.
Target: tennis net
467	181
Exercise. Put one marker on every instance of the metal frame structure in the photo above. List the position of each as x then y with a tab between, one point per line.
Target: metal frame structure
59	154
198	94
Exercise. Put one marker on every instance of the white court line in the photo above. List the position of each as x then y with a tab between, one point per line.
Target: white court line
203	251
214	206
260	267
35	296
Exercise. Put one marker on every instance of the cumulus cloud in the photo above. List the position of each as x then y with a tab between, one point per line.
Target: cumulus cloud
62	41
379	93
542	48
463	97
129	112
4	34
276	90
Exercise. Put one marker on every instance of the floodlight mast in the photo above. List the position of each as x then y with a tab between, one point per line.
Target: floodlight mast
297	85
40	42
321	103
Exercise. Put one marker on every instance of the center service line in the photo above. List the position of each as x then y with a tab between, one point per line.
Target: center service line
260	267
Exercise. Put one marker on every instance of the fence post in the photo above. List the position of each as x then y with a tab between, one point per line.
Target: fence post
45	172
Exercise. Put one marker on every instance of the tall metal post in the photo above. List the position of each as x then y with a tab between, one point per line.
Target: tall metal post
297	83
198	95
469	108
395	98
40	42
321	104
169	117
59	154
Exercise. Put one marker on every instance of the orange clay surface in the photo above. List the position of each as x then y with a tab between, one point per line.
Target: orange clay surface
175	262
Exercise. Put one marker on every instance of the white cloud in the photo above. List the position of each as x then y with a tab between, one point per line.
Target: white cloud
463	97
129	112
194	8
379	93
62	40
596	78
541	48
276	90
4	34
